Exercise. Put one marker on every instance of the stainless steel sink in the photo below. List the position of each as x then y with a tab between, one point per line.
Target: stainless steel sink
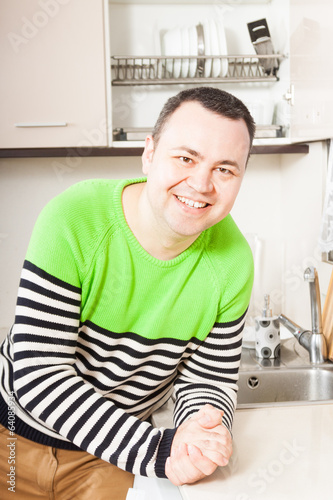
281	386
290	380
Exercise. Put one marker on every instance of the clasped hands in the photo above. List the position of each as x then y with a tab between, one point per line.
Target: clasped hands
200	445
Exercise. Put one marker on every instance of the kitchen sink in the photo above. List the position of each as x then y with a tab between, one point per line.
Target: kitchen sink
285	386
289	380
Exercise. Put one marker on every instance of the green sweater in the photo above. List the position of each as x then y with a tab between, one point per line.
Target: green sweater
104	332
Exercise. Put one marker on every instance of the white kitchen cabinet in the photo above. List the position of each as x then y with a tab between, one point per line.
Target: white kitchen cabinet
299	100
53	74
58	91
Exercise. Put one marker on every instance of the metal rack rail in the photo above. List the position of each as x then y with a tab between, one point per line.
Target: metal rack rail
168	70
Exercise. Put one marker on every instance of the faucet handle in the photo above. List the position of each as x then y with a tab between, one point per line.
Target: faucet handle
295	329
314	343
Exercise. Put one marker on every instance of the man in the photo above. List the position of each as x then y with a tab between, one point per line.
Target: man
133	290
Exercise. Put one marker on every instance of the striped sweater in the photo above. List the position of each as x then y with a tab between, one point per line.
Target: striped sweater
105	333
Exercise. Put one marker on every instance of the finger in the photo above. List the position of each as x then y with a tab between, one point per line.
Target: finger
209	416
190	470
218	436
223	446
202	462
206	439
179	468
191	431
220	459
176	470
219	431
207	408
170	473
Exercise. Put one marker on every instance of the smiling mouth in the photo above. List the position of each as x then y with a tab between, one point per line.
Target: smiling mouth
191	203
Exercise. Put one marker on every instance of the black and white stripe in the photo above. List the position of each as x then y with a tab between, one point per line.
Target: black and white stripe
89	386
210	373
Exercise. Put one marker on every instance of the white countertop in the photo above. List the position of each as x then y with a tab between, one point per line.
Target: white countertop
280	453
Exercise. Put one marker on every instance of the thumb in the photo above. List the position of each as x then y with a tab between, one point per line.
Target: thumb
210	418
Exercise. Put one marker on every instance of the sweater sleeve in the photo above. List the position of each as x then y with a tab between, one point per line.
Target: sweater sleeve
210	373
61	403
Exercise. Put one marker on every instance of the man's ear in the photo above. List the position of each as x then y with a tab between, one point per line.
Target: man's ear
148	153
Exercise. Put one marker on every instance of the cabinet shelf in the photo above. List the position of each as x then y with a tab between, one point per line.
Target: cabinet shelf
168	70
124	149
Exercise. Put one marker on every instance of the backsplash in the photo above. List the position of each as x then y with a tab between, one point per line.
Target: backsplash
279	205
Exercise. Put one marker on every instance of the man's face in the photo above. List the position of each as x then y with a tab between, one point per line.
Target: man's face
196	170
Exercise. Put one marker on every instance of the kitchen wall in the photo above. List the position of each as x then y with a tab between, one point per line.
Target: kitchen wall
278	208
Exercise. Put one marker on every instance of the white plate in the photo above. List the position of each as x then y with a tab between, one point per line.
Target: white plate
208	62
223	47
214	48
185	51
193	37
172	46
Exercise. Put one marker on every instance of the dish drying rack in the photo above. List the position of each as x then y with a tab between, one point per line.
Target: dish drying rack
159	70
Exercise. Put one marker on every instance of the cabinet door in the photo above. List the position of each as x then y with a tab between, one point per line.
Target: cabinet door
53	74
311	69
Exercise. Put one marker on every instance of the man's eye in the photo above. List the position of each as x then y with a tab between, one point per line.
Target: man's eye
224	170
185	159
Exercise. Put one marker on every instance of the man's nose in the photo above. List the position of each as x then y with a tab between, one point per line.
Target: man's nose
200	180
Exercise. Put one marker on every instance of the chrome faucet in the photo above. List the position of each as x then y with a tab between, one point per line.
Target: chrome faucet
313	341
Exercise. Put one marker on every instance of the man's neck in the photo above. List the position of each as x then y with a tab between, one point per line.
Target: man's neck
161	246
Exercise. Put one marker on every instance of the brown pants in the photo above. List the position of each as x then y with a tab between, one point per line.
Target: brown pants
31	471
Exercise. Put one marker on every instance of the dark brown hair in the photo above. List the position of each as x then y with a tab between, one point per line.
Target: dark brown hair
216	100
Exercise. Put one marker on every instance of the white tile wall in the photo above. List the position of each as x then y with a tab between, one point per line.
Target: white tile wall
280	203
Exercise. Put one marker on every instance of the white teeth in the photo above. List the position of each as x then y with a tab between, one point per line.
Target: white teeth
191	203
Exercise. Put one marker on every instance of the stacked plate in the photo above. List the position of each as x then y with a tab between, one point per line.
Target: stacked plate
207	39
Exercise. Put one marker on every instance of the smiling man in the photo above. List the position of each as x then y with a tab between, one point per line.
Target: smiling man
194	170
133	291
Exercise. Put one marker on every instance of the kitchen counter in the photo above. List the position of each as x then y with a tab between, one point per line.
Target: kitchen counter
279	453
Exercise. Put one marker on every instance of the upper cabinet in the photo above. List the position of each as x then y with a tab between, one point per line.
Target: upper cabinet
95	73
156	50
311	69
53	74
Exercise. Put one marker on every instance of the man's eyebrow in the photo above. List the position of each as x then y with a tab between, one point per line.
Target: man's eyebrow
192	152
231	163
198	155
